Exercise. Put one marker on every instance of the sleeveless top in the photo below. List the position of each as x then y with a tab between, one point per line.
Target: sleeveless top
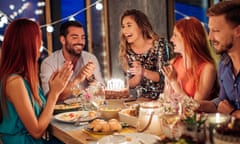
12	130
187	83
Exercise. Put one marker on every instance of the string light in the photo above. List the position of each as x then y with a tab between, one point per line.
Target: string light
187	17
71	16
99	6
50	29
39	12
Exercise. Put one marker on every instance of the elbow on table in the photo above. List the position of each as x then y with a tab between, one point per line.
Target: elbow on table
207	106
37	134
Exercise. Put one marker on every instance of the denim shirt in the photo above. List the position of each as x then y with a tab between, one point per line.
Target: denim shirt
229	83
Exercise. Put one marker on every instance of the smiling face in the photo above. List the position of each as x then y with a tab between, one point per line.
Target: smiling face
130	30
74	41
177	41
221	34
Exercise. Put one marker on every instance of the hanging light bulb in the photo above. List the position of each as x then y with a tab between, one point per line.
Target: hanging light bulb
11	6
71	18
99	6
50	29
1	24
4	19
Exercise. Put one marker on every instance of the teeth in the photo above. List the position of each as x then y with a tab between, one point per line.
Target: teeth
78	46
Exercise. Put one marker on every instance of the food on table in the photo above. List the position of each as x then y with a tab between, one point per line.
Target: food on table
116	94
92	114
114	125
66	106
70	116
100	125
131	112
109	111
228	133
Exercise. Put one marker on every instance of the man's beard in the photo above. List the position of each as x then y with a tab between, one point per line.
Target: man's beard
224	48
72	52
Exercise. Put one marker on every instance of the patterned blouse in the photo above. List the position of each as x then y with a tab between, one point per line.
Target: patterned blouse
153	60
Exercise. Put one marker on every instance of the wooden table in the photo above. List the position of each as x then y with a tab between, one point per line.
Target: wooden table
71	134
68	133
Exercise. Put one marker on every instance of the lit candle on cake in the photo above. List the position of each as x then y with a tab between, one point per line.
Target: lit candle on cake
116	88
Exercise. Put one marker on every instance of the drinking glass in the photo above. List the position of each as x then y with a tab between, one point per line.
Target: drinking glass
98	94
169	121
77	90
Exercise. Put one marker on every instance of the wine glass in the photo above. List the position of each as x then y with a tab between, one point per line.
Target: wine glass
77	90
97	91
169	121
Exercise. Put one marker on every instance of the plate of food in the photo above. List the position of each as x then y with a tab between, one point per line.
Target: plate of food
60	108
104	127
130	138
74	116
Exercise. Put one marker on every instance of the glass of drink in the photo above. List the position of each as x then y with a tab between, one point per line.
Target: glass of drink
97	91
170	120
77	90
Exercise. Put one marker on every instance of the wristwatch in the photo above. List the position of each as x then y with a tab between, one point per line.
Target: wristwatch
91	78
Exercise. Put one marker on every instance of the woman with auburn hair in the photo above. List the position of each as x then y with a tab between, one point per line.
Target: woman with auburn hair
142	53
193	71
25	113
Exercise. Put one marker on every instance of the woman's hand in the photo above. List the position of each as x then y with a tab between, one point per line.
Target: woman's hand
59	80
136	68
169	73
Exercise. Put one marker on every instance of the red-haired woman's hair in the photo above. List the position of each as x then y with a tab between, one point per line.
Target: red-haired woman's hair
196	44
20	52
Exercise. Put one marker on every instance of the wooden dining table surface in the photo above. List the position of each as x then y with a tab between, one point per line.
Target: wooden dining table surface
72	134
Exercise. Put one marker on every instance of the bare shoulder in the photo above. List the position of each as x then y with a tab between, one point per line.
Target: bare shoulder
209	67
13	79
14	86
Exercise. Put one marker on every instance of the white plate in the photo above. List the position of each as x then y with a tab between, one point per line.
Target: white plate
72	117
131	138
73	100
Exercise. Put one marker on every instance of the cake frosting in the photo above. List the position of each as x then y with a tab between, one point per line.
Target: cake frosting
228	133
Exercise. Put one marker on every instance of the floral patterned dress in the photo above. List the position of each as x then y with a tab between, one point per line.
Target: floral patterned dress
153	60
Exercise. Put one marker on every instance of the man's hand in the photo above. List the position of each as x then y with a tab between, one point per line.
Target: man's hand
225	107
86	71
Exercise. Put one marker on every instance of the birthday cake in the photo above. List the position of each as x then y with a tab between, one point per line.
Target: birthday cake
116	94
116	89
227	133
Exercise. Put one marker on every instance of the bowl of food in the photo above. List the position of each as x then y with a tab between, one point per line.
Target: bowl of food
109	111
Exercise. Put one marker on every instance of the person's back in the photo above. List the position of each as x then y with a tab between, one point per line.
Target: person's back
12	129
25	113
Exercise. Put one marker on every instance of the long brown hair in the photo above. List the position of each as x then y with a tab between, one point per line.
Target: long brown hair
147	31
196	44
20	50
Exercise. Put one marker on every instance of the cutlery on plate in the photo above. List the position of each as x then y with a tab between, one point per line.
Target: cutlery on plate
80	118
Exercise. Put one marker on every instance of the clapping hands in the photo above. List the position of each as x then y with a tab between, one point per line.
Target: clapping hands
59	80
136	68
169	73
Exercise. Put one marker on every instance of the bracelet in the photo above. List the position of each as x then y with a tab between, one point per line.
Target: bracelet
232	111
91	78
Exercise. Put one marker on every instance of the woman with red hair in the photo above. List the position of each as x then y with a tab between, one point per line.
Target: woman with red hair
25	113
192	72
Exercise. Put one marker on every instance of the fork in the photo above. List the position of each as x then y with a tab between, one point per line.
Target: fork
78	121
